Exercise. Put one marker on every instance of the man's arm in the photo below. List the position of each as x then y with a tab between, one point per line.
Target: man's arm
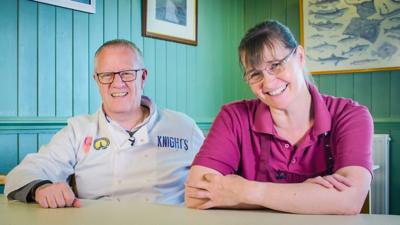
306	198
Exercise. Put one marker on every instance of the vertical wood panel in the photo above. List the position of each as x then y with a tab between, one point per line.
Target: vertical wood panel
27	143
110	20
327	84
278	11
191	81
345	85
124	21
362	89
64	62
95	40
160	73
8	152
380	95
43	139
292	18
81	59
394	181
46	60
171	76
27	59
136	21
395	94
8	58
149	52
182	75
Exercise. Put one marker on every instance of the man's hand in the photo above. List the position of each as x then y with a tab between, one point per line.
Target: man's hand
56	195
335	180
218	190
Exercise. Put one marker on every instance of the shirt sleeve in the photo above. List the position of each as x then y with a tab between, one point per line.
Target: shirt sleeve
220	150
353	138
54	162
24	194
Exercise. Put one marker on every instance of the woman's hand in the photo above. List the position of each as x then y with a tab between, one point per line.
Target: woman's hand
218	191
335	180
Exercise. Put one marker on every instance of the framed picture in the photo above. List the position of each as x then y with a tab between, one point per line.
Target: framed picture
173	20
81	5
345	36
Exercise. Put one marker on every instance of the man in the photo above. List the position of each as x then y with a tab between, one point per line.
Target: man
128	149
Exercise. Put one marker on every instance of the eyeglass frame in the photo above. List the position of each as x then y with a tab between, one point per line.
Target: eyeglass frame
281	62
135	71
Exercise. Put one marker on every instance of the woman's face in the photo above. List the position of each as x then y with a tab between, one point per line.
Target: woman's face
279	80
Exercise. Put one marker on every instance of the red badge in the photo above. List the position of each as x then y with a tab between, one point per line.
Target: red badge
86	144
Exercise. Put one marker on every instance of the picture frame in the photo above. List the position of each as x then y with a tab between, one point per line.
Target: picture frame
171	20
80	5
349	36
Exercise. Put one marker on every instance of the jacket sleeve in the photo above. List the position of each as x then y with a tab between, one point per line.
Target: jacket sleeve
53	162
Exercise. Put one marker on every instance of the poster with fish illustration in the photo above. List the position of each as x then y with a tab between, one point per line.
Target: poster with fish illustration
345	36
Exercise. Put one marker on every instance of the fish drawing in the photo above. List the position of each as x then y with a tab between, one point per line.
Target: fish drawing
367	29
389	13
363	61
395	30
355	49
329	14
322	2
395	19
331	59
386	50
394	37
325	26
348	39
364	9
315	36
323	47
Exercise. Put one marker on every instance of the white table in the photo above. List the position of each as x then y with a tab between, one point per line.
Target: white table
121	213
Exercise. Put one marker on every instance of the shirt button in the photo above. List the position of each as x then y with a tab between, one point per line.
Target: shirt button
146	156
286	145
294	160
146	199
118	199
119	181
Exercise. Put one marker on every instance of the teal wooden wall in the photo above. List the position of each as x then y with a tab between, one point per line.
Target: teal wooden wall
379	91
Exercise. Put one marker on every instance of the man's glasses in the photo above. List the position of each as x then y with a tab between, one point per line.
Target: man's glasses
125	75
275	68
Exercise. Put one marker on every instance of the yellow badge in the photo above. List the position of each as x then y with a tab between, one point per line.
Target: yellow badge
101	143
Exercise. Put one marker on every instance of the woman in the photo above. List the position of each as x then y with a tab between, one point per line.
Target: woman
291	149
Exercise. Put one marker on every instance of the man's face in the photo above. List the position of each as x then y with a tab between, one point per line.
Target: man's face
119	98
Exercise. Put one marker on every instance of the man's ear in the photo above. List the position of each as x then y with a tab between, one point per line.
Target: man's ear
144	77
144	74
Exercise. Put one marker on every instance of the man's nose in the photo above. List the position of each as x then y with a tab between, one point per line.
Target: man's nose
118	80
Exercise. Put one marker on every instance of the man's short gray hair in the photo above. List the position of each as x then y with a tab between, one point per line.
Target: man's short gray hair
122	43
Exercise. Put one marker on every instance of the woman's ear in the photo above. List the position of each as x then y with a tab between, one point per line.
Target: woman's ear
302	56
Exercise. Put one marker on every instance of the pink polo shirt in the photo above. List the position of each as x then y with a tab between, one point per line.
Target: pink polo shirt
243	140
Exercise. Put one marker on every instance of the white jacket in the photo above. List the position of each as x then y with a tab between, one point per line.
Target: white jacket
105	164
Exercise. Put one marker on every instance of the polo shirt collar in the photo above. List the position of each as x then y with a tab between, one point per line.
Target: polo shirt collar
262	122
322	116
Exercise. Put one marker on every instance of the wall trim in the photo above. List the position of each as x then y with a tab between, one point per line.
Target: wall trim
51	124
41	124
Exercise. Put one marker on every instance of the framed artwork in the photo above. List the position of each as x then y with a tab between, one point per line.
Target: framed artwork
173	20
81	5
345	36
